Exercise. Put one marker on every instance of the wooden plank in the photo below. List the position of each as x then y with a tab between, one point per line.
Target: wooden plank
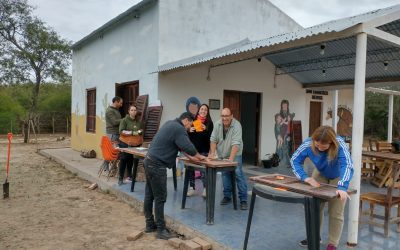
292	184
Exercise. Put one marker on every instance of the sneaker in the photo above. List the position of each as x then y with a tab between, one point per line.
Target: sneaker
304	243
128	179
204	194
243	205
164	235
331	247
225	201
191	192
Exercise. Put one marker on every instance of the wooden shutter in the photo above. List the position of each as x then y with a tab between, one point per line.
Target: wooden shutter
297	137
152	122
91	110
141	106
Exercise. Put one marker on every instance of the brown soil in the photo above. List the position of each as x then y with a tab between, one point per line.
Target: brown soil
51	208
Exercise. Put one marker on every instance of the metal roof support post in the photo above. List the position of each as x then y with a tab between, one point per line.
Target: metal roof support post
390	119
357	135
335	101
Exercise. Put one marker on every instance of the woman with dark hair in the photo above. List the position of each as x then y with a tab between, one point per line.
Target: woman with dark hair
333	163
199	135
128	126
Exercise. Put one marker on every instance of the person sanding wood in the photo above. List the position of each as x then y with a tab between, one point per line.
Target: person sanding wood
333	163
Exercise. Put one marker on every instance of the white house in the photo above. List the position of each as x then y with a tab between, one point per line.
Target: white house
122	57
246	55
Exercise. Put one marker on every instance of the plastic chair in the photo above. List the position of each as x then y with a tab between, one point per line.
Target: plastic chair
110	154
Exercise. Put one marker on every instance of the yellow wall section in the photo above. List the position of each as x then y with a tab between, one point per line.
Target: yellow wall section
82	140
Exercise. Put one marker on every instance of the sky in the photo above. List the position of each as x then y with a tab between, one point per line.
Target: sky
74	19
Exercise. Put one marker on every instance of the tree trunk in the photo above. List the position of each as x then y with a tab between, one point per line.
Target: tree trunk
32	111
25	130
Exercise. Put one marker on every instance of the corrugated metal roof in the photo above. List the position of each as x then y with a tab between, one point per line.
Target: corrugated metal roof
130	13
332	26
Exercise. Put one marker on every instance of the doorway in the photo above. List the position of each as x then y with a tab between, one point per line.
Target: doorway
245	107
128	91
315	116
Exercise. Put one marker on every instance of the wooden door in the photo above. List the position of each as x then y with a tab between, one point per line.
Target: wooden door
315	116
297	137
129	92
232	101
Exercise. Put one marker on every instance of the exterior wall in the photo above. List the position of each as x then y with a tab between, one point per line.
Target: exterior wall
345	99
127	53
189	28
251	76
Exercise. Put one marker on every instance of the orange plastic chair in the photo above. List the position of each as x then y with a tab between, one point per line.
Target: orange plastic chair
110	154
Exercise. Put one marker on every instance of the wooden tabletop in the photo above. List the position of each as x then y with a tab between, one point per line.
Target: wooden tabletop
211	163
141	152
290	183
382	155
138	151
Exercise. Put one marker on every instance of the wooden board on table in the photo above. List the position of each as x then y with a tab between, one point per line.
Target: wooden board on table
138	151
290	183
214	163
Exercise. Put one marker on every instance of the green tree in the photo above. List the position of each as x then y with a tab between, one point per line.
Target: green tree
30	51
11	113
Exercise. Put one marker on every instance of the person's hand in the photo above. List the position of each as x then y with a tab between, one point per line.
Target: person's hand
343	195
192	129
312	182
203	126
203	158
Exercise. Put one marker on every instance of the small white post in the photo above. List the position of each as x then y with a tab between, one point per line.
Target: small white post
335	103
390	119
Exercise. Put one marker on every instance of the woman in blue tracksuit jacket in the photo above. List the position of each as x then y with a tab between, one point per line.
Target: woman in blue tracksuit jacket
333	163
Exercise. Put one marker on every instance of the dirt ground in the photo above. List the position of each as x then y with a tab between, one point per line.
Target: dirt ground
51	208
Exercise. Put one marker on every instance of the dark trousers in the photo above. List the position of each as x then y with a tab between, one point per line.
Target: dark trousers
126	161
192	178
156	190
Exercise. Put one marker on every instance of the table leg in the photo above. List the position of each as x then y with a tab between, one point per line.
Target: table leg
234	192
210	199
311	207
185	188
252	202
134	173
174	176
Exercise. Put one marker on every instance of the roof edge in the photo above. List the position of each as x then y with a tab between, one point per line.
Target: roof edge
171	65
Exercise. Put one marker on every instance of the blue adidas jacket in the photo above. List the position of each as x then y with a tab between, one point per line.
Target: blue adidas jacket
341	166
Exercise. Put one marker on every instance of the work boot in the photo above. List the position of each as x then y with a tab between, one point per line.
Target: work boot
151	227
164	234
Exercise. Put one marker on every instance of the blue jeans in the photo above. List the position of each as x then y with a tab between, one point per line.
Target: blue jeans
113	137
241	182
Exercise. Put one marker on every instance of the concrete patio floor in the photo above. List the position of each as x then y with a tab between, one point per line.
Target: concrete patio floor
275	225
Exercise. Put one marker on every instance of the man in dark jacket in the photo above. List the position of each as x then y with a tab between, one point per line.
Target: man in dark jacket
171	138
113	118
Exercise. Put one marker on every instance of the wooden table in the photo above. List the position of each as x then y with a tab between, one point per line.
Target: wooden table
312	199
385	156
382	155
211	167
141	153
